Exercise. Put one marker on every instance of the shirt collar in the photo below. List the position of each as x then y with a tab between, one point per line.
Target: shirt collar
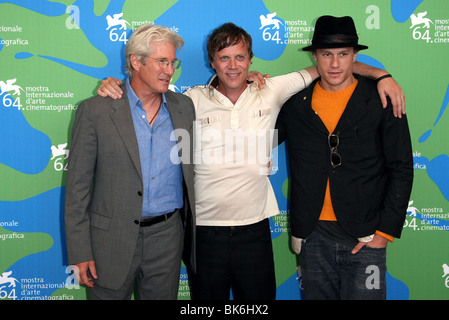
134	99
213	83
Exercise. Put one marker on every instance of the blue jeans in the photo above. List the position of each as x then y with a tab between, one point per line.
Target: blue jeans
330	271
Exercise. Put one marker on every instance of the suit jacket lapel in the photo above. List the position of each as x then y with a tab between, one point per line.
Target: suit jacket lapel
124	122
356	106
184	122
353	111
311	115
175	112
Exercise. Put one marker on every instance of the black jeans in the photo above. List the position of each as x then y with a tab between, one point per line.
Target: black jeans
235	258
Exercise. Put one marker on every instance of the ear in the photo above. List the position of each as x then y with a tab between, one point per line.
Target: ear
135	62
314	54
355	55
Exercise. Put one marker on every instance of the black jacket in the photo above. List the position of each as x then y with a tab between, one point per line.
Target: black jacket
370	190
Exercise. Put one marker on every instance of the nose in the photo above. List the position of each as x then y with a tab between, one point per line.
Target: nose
334	61
170	69
232	63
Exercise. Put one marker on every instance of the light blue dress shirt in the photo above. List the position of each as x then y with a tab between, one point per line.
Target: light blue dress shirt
162	179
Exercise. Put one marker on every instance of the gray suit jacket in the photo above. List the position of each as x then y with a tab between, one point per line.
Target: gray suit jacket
103	197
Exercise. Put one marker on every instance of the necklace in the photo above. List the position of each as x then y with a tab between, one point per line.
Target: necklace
154	116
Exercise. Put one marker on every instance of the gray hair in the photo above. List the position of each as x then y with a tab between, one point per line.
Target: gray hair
141	41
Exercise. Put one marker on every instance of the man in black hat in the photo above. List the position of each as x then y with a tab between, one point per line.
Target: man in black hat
351	171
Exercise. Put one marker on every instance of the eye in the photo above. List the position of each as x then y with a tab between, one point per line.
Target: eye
176	63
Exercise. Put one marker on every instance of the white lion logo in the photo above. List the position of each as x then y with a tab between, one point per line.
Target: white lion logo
4	278
59	151
445	270
269	20
116	20
9	86
419	19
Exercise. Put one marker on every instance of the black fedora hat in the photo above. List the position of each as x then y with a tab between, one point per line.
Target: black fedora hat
332	32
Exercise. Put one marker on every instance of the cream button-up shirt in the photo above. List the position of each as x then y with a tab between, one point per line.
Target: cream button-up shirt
233	145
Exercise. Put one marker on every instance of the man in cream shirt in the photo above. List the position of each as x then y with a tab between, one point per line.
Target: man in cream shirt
233	149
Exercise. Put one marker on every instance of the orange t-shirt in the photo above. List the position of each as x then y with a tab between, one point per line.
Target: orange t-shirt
329	106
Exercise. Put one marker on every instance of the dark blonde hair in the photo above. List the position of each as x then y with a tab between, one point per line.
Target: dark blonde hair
225	36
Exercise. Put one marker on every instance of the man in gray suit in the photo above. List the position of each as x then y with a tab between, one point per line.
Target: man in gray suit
129	193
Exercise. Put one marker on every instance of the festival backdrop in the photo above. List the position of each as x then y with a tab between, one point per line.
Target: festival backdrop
53	55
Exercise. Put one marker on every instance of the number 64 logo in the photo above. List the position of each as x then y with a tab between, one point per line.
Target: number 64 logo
114	21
